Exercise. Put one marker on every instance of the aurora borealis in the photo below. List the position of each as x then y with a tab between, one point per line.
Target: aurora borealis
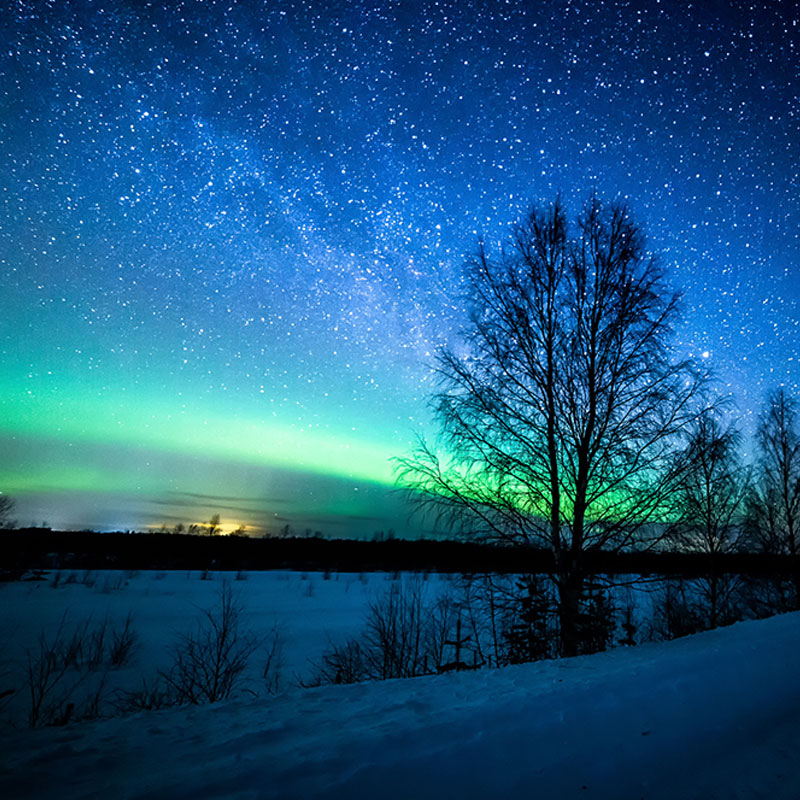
231	233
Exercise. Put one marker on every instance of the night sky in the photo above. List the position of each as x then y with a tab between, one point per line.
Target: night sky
231	234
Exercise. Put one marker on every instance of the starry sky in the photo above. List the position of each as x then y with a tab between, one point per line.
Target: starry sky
231	233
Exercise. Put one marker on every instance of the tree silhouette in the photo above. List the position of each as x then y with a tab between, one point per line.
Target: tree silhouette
709	506
212	527
774	503
560	413
7	505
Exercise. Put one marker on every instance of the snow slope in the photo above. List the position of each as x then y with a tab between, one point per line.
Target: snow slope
710	716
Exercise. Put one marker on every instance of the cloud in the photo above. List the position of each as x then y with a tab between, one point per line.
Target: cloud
214	497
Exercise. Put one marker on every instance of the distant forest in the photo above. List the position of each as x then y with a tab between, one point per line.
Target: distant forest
26	549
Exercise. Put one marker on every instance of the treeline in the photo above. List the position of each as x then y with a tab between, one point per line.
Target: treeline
40	548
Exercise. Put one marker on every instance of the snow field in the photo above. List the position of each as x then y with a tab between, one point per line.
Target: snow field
305	610
707	716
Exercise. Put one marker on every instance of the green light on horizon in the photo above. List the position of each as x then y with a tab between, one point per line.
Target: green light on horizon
159	425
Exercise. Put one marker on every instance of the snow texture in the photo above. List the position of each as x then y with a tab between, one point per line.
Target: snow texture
708	716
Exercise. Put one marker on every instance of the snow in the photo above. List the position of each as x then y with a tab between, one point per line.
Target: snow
708	716
307	609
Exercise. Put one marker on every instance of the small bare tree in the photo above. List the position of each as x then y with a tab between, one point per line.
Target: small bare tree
7	505
404	636
709	506
67	673
561	413
339	664
212	527
773	507
52	681
443	634
209	661
394	640
675	611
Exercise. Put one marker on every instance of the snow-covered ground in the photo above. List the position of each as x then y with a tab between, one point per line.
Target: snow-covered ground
709	716
307	612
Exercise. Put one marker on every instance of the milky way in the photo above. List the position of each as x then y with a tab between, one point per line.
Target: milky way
231	233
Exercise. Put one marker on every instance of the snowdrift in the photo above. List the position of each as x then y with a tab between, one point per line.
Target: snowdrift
709	716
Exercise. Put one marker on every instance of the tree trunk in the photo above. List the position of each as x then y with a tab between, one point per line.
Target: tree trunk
714	600
570	584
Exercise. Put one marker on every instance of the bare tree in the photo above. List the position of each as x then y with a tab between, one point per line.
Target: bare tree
394	638
52	680
6	509
709	506
208	662
405	635
66	673
342	663
560	415
212	527
774	502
